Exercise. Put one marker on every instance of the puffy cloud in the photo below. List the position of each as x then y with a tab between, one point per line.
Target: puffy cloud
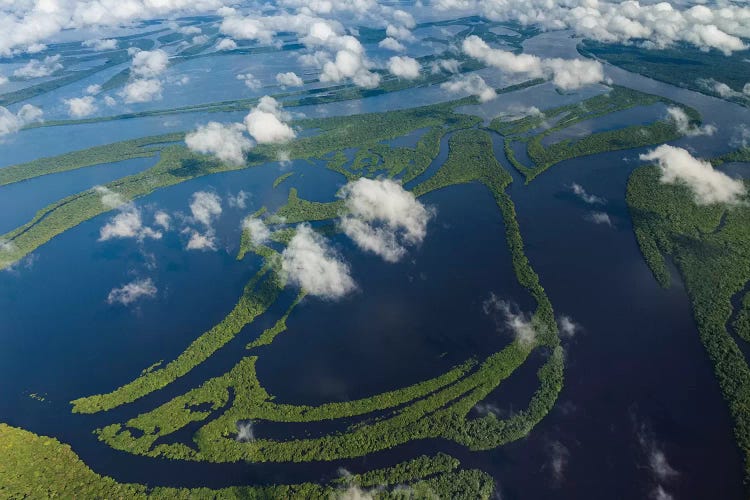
226	44
257	229
599	218
655	24
93	89
246	28
109	198
10	123
133	291
350	64
25	24
79	107
382	217
311	264
447	65
201	241
3	80
245	431
682	122
511	318
289	79
661	471
591	199
163	220
37	69
149	63
471	84
225	142
127	224
709	186
142	91
205	207
404	67
239	200
266	122
250	81
566	74
568	327
100	45
390	43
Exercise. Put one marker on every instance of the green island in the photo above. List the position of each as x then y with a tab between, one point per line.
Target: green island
531	130
682	65
710	246
33	466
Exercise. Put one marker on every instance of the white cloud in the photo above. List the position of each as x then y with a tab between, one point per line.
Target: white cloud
684	127
566	74
656	24
205	207
201	241
447	65
568	327
245	431
79	107
109	198
250	81
226	44
289	79
390	43
142	91
511	318
404	67
591	199
127	224
3	80
709	186
382	217
109	101
265	122
225	142
559	455
599	218
149	63
239	200
93	89
163	220
10	123
259	232
311	264
131	292
37	69
471	84
100	45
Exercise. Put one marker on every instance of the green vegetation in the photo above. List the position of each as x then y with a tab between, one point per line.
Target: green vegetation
281	179
259	294
682	65
530	130
270	334
298	210
435	408
710	245
742	321
33	466
137	148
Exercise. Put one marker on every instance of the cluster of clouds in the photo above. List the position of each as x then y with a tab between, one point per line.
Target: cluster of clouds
13	122
508	317
205	208
708	185
379	216
266	123
145	69
128	221
36	68
656	24
567	74
585	196
383	218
